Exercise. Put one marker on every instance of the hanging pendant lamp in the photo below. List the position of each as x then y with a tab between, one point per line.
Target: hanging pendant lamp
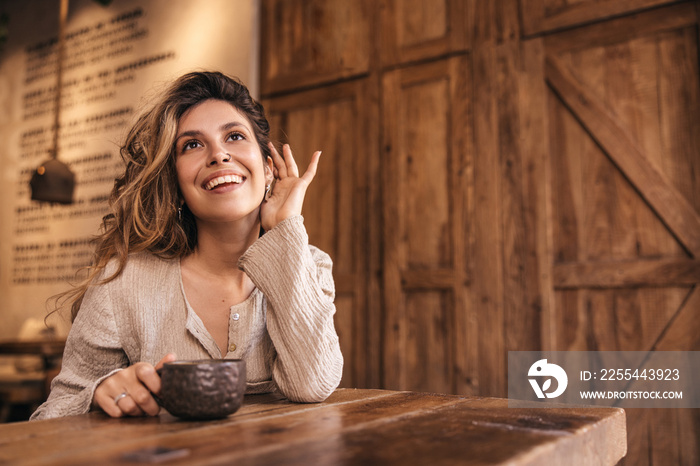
53	180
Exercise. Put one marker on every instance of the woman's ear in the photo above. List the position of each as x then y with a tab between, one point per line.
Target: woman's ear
269	171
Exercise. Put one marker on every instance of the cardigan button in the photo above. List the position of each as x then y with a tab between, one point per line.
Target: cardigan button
232	347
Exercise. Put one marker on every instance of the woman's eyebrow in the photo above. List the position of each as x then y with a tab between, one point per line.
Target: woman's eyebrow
224	127
232	124
190	133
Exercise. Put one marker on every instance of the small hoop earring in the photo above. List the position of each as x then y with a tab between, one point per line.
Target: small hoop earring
179	214
267	191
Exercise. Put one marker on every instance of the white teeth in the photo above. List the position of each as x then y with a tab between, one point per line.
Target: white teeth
224	179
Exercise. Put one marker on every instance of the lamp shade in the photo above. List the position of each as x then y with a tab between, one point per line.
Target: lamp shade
53	181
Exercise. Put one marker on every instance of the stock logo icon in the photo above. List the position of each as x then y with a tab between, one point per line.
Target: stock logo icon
542	368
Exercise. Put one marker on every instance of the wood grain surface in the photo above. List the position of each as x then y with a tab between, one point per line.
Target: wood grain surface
532	184
351	427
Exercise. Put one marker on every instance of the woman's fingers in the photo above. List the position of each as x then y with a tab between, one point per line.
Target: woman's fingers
113	395
142	393
280	166
128	405
287	166
153	383
313	166
109	404
289	161
170	357
130	391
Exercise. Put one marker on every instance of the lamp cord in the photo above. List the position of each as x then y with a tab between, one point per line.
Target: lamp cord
62	17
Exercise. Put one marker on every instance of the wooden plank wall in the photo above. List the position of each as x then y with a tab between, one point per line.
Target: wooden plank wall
499	175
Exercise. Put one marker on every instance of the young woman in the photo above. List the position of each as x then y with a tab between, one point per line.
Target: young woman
204	255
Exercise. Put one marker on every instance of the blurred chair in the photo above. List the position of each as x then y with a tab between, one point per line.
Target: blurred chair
34	360
20	395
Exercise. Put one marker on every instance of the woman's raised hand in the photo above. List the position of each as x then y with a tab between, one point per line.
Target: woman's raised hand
129	392
287	197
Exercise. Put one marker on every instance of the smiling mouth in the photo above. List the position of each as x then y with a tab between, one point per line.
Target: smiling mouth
235	179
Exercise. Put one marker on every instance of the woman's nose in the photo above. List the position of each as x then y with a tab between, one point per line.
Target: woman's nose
219	156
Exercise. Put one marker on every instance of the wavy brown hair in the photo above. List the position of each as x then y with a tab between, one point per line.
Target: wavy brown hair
145	199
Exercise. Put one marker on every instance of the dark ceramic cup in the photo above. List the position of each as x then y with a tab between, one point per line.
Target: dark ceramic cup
203	389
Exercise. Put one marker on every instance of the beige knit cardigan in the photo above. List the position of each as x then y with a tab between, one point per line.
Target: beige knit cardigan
284	330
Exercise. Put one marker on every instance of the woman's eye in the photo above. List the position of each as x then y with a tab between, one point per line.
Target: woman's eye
190	145
235	137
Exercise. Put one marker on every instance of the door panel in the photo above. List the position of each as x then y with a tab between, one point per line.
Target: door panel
339	121
598	213
426	184
307	42
415	29
624	111
428	340
548	15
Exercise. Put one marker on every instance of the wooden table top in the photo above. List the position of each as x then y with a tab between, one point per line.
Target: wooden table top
351	427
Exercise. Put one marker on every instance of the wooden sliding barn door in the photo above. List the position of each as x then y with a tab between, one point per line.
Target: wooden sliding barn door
340	120
624	154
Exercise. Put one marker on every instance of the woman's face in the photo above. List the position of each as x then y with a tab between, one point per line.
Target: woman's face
219	165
